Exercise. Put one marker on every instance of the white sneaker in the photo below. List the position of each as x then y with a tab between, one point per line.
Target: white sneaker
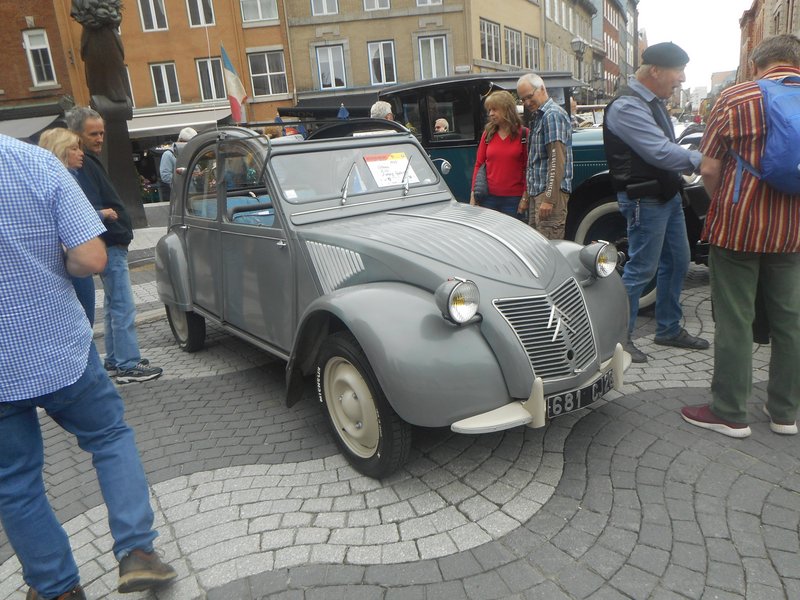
781	428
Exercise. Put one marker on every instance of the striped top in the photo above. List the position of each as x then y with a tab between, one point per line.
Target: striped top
763	220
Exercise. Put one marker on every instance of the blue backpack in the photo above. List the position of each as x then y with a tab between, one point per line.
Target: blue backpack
780	163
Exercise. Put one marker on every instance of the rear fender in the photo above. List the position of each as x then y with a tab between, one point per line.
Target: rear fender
172	272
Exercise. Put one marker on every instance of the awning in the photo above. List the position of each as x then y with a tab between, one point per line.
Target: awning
150	125
26	128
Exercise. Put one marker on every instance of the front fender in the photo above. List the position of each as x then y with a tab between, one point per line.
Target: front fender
432	372
172	272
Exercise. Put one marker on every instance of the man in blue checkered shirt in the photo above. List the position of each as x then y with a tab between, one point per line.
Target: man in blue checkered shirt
48	231
549	176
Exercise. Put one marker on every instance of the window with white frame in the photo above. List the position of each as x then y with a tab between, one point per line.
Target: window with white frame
259	10
490	41
212	81
330	62
548	57
432	57
428	2
513	47
376	4
40	62
381	62
201	13
154	17
324	7
268	73
531	52
165	83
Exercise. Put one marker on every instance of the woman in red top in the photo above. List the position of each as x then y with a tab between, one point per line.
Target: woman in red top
503	148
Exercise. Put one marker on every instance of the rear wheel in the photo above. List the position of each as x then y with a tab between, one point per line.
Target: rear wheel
603	221
188	328
374	439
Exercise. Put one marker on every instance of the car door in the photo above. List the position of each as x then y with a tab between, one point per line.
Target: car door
201	231
258	284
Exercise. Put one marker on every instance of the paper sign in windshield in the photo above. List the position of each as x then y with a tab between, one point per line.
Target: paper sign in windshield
390	169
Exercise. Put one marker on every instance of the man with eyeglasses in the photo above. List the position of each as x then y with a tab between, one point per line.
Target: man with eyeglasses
549	173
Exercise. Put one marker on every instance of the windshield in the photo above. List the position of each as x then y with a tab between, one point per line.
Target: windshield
348	173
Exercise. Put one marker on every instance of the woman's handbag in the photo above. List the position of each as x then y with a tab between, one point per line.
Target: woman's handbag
481	188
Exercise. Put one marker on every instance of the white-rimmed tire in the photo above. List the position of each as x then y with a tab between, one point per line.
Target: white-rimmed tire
374	439
188	328
603	221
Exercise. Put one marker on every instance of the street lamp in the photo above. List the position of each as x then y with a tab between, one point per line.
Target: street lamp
579	47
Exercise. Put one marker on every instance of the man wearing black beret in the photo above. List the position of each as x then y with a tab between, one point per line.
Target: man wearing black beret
646	165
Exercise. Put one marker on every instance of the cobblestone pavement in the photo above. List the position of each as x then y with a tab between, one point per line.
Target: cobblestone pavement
623	500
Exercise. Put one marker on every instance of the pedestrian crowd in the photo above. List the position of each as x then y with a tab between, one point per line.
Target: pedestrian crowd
63	221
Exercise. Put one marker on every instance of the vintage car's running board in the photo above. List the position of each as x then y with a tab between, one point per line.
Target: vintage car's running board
532	412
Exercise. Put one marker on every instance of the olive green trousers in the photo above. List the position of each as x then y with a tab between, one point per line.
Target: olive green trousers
735	277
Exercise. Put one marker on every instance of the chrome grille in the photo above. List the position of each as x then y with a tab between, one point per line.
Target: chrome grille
554	330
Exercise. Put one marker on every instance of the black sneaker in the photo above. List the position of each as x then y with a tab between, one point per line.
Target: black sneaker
683	340
142	570
75	593
112	370
141	372
637	355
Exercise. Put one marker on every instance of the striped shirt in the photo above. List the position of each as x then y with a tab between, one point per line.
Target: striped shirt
44	334
549	124
764	220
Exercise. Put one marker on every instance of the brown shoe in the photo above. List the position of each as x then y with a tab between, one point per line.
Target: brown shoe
75	593
141	571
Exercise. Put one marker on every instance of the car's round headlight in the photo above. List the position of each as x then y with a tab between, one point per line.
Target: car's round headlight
600	258
458	300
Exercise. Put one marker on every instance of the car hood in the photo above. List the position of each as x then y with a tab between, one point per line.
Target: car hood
465	239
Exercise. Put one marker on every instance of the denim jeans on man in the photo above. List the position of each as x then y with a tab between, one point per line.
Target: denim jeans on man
92	410
657	245
122	345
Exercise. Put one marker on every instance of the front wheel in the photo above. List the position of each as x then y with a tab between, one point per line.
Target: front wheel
374	439
603	221
188	328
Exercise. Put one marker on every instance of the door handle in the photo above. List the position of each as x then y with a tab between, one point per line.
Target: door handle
281	243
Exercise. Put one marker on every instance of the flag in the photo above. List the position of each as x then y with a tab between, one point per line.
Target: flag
343	112
237	96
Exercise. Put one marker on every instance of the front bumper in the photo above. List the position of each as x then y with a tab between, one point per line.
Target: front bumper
532	412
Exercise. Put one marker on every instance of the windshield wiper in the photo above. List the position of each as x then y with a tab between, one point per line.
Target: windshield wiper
405	177
345	185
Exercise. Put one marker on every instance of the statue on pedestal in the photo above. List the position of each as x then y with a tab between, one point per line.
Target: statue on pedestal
104	65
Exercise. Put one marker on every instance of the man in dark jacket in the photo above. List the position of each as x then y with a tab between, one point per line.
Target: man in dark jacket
646	165
123	359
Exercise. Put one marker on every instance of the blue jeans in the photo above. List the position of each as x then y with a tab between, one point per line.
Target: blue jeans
84	289
122	345
92	410
504	204
657	246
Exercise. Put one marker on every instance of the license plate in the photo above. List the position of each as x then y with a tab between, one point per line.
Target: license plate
561	404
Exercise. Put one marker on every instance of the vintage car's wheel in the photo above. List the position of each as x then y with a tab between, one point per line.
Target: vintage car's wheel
603	221
189	328
371	435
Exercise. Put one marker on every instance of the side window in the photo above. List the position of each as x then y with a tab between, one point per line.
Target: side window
247	199
451	114
406	111
201	198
